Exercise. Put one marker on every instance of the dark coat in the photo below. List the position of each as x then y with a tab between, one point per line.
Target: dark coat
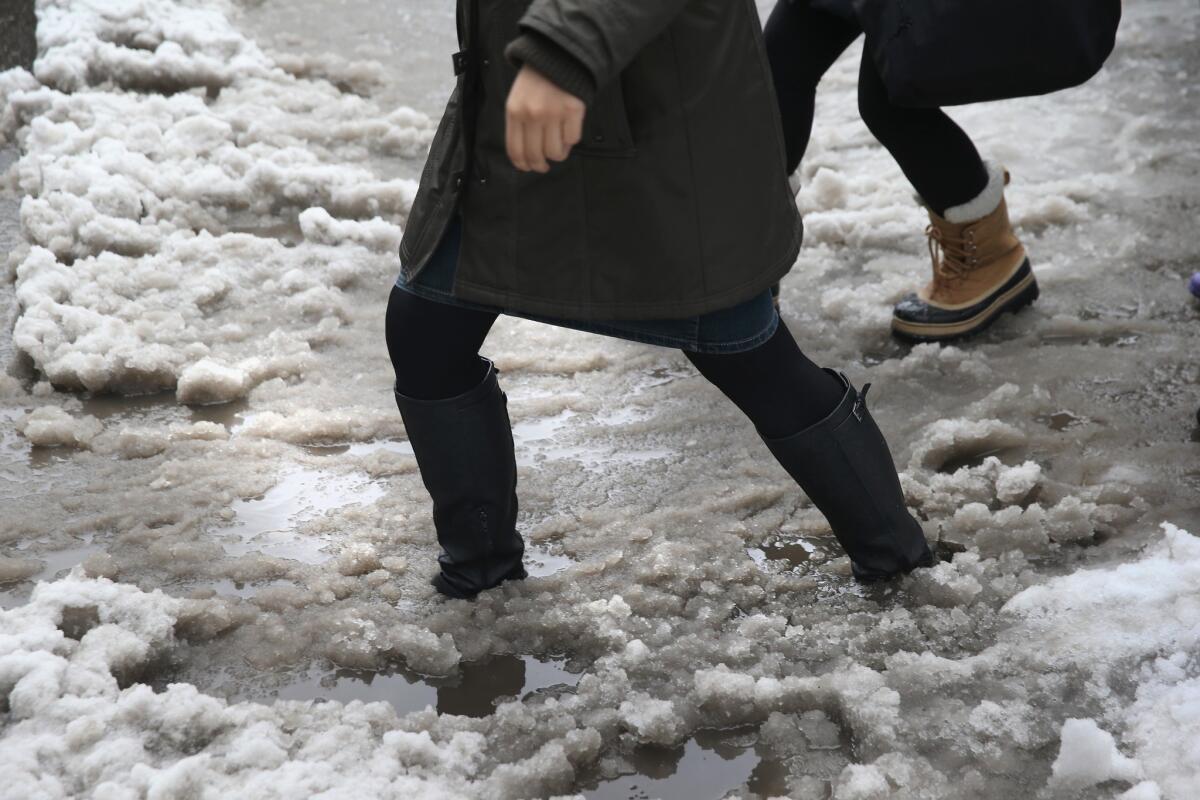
840	8
674	204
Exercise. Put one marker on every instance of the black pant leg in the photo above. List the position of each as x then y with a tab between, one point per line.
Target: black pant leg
802	43
775	384
935	154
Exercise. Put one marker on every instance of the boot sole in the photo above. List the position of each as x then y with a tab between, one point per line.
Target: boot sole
1019	296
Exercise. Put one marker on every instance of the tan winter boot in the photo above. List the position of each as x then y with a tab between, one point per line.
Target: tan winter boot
980	270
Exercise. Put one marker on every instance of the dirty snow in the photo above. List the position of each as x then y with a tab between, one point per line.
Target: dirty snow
215	535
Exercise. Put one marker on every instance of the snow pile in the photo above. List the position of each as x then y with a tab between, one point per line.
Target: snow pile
1102	621
136	275
155	45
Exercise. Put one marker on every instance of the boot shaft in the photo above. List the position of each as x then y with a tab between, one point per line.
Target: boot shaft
464	449
844	465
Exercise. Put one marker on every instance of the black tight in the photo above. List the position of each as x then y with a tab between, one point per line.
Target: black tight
434	346
434	349
775	384
937	157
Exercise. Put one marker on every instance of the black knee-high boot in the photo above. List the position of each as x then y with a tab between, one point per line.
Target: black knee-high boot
844	465
464	448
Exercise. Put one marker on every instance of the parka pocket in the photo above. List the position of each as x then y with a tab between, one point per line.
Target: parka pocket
606	129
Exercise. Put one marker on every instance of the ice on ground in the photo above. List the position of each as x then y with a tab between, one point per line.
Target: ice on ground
50	426
73	697
214	223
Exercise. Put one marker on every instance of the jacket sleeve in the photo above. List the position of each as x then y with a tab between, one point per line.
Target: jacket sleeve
602	35
554	62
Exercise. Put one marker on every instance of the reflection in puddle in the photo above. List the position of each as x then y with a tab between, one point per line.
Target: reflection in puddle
473	692
366	448
226	587
1104	340
540	440
540	563
268	524
108	406
792	553
325	450
229	415
661	376
711	765
537	440
1061	421
56	563
16	453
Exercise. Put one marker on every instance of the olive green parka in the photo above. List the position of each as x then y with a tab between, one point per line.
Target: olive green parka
675	203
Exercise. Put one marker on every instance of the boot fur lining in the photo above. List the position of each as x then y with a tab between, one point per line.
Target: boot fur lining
985	203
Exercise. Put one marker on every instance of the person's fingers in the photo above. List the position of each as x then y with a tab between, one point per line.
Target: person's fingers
572	129
554	147
573	126
514	138
543	122
535	143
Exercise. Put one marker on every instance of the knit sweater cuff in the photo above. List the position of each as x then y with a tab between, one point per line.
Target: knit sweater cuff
566	71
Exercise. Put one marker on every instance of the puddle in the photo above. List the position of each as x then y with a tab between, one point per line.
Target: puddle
536	441
622	416
366	448
107	406
541	440
661	377
792	554
473	692
268	524
10	440
540	563
711	765
1061	420
57	562
1105	340
227	587
325	450
230	415
162	407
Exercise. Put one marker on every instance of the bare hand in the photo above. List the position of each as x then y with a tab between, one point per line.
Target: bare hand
544	122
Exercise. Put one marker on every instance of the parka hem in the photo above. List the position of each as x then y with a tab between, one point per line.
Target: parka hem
632	310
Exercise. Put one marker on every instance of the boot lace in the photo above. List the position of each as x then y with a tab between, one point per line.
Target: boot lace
952	256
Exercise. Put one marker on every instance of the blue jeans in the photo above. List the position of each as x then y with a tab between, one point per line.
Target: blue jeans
730	330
